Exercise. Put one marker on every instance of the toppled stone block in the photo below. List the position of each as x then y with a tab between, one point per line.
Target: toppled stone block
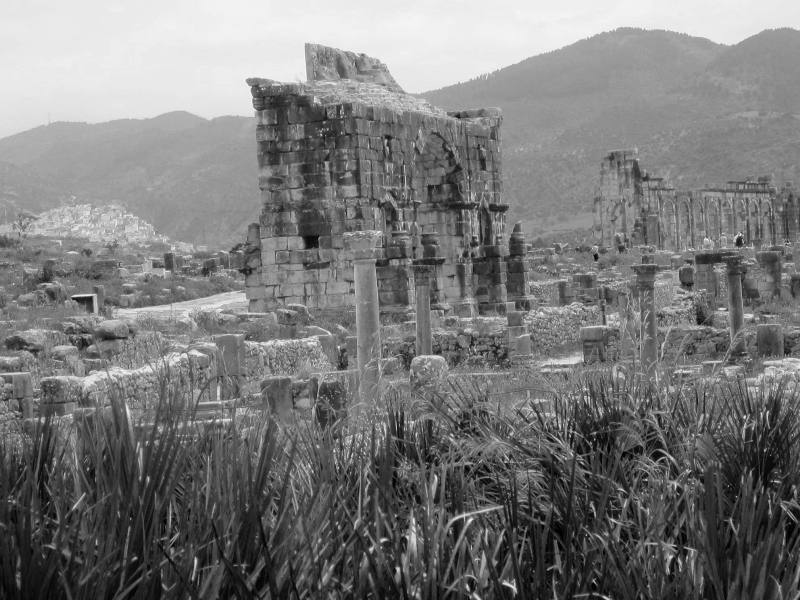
113	329
331	404
108	348
64	352
769	339
31	340
303	316
63	389
427	371
277	395
22	362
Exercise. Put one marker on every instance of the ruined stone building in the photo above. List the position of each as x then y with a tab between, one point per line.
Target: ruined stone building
646	210
349	150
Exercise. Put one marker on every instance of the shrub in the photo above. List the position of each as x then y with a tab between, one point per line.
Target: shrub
604	486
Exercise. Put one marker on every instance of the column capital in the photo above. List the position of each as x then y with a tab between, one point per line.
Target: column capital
423	271
362	245
645	275
734	265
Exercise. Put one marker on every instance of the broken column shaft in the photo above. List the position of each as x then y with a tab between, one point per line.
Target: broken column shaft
362	244
422	275
735	270
645	283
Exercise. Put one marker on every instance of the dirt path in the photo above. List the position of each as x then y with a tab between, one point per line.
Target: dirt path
180	310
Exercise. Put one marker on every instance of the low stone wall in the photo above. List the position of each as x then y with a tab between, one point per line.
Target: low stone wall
545	292
178	378
284	357
456	345
553	327
486	339
182	378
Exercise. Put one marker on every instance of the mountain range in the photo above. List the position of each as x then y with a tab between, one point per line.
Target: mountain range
698	112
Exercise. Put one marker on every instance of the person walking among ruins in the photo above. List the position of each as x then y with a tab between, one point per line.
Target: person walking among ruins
595	252
707	243
738	241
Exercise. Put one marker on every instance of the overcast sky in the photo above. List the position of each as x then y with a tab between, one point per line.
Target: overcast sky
95	60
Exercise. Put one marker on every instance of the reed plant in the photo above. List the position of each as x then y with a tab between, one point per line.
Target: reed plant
604	486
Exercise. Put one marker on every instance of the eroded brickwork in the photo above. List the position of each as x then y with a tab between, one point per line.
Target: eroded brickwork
349	155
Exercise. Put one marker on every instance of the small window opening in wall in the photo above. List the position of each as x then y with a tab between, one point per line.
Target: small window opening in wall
310	241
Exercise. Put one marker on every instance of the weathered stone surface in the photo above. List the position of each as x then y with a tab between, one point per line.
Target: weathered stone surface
61	390
769	339
324	63
394	165
64	352
18	363
107	348
277	394
33	340
427	371
113	329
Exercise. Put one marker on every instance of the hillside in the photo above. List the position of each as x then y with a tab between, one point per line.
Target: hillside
194	179
699	112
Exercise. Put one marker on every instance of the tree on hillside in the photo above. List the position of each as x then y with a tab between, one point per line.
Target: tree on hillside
22	225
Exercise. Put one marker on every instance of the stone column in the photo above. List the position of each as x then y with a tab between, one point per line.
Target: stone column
22	395
100	292
735	270
231	367
769	283
422	284
653	231
795	285
519	339
645	283
361	245
517	268
791	219
686	277
594	339
706	277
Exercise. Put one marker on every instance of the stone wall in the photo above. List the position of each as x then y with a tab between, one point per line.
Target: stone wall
553	327
284	357
183	378
485	340
349	155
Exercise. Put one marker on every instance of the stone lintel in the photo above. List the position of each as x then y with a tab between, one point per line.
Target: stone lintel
431	261
462	205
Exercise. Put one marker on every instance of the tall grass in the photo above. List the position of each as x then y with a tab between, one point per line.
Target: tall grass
612	488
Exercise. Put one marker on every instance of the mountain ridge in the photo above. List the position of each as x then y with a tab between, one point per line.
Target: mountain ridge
698	111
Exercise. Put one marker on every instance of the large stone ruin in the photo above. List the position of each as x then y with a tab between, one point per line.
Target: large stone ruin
348	151
645	209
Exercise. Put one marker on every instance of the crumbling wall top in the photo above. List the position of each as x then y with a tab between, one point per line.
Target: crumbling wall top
339	77
324	63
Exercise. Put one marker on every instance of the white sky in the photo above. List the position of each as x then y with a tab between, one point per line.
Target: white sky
95	60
